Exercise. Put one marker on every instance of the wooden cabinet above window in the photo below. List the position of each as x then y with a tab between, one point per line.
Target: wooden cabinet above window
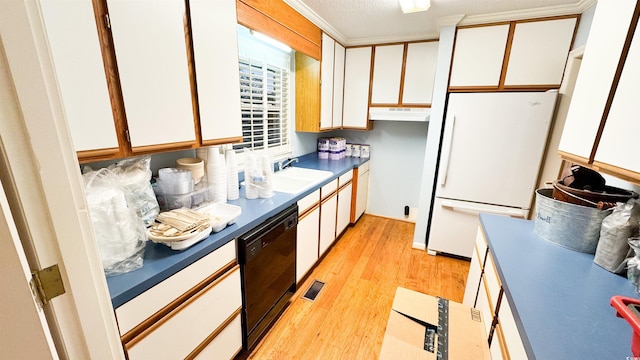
519	55
278	20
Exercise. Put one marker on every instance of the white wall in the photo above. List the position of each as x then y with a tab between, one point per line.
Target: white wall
397	158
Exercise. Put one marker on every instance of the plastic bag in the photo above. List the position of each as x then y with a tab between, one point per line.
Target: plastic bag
135	175
613	246
119	232
633	265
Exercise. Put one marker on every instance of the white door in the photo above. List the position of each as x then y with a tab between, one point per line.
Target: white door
326	83
493	145
357	74
153	68
24	328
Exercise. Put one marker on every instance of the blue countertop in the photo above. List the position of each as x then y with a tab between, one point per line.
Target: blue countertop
160	261
559	297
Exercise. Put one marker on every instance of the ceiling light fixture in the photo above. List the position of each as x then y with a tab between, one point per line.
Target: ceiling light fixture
411	6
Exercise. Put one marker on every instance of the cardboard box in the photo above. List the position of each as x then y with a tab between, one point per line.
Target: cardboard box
412	330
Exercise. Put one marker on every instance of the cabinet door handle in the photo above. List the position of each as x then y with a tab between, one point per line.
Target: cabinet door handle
466	208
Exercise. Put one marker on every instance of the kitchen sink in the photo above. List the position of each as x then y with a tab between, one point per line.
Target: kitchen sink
294	180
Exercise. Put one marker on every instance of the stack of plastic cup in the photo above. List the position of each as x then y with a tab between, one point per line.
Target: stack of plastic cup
216	175
250	171
266	189
233	191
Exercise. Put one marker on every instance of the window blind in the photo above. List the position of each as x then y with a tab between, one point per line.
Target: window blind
264	93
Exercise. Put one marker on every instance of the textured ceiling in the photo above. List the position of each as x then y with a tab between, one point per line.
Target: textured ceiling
373	21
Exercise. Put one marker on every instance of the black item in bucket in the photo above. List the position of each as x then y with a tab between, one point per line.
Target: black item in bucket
584	179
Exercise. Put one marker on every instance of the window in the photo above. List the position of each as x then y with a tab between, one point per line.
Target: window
264	94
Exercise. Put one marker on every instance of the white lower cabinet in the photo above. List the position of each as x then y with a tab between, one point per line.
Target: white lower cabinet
344	202
360	191
226	344
195	310
328	213
483	303
473	281
514	349
497	344
308	233
506	342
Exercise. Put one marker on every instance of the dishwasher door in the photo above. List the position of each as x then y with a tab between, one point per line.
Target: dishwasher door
268	269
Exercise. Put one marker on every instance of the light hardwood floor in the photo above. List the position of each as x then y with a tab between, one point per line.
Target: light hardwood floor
361	273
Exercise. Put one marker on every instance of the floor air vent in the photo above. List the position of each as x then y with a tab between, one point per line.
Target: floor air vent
313	290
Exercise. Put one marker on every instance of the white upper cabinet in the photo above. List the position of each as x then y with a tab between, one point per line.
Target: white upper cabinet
622	127
539	52
599	64
478	55
338	84
331	84
75	50
215	47
420	72
356	87
151	53
326	82
387	74
525	54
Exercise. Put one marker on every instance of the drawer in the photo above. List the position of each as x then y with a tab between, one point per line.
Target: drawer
141	307
308	201
328	189
473	281
481	246
483	303
181	331
345	178
226	344
493	283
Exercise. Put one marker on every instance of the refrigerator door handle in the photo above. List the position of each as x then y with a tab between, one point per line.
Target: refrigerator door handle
446	156
465	208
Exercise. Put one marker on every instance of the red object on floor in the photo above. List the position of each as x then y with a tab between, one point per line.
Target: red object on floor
629	309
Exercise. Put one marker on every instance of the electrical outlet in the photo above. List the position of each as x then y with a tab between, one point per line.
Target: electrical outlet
413	213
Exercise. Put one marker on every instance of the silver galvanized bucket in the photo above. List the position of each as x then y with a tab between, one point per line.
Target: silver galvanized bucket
573	226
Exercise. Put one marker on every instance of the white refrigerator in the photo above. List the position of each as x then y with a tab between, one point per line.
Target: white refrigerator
492	149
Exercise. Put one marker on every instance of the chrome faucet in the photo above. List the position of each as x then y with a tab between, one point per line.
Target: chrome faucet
283	164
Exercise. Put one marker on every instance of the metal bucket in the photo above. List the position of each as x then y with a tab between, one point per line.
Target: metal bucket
573	226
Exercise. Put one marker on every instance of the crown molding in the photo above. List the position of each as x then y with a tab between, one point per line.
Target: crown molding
452	20
312	16
391	39
558	10
455	20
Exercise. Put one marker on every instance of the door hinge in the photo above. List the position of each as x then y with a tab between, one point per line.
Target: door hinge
107	21
46	284
126	134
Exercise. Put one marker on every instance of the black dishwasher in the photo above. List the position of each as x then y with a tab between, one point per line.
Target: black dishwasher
267	256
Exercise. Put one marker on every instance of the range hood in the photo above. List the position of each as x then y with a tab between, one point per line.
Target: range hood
399	114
